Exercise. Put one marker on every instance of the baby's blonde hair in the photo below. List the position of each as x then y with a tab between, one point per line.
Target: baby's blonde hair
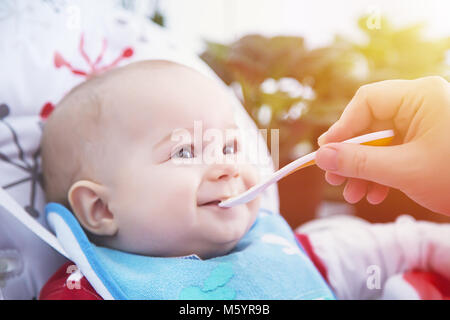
69	136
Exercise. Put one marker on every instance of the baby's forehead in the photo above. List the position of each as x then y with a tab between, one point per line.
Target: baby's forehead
157	123
167	100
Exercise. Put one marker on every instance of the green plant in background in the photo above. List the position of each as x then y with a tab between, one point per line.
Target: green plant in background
403	53
155	15
284	85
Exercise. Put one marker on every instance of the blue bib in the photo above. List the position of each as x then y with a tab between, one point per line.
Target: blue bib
267	263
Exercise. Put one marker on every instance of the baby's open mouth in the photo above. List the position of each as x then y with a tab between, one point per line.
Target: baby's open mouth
212	203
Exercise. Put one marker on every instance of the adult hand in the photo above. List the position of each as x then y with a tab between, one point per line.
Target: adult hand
418	163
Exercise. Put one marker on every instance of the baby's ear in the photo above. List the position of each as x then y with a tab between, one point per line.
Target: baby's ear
87	200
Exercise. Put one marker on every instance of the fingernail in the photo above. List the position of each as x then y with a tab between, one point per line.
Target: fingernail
327	158
320	140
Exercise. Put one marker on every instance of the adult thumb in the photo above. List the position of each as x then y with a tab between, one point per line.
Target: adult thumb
388	165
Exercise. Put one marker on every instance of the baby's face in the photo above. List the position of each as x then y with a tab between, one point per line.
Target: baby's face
162	206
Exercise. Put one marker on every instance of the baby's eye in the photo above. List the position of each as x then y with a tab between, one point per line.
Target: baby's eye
231	147
186	151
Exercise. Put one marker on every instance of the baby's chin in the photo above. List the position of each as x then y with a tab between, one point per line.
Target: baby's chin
224	229
217	250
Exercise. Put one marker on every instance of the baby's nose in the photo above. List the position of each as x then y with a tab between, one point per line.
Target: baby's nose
223	171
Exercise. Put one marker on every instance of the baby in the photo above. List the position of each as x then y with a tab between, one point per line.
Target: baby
112	153
108	152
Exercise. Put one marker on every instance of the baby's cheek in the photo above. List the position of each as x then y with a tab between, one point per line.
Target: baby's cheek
251	178
165	212
180	192
250	175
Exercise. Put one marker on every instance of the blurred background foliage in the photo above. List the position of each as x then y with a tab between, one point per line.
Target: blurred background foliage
284	85
300	91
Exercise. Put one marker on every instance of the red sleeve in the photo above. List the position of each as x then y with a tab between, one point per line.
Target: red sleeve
428	285
58	288
307	246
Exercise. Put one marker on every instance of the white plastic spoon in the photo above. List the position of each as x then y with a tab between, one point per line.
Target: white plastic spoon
380	138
